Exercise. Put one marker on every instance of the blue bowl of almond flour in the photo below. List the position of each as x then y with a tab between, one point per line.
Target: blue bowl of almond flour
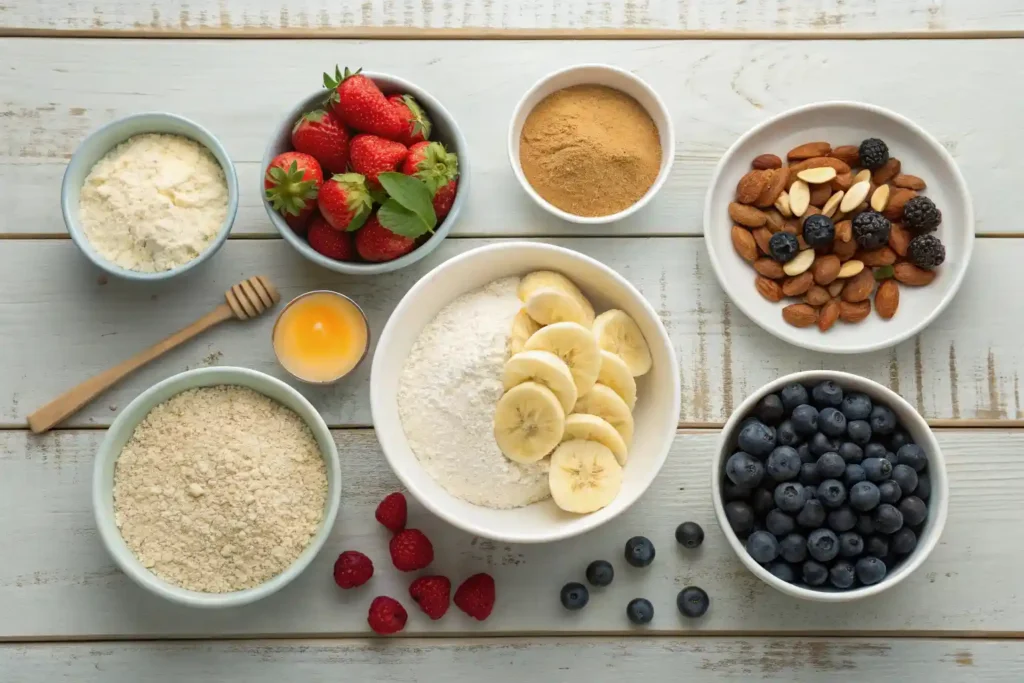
149	196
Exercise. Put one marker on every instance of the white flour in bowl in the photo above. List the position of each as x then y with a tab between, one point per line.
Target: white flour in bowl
447	395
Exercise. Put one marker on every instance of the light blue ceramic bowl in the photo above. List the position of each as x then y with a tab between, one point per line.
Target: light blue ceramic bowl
445	130
104	139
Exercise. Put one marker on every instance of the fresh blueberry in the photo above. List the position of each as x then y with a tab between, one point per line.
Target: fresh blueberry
761	501
888	519
809	475
762	546
854	474
793	395
783	571
740	516
851	544
914	510
898	440
689	535
851	453
831	422
779	523
891	457
903	541
640	611
823	545
818	231
877	469
574	596
790	496
821	444
877	546
841	575
883	420
859	431
865	525
924	487
783	247
757	439
856	406
600	573
814	573
793	548
865	496
906	477
890	492
693	602
783	464
874	450
804	451
841	519
805	420
769	409
744	469
785	435
640	551
812	515
912	455
870	570
826	394
731	491
832	493
831	466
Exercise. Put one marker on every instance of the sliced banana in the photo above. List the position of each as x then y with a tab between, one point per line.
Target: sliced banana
544	368
548	305
606	404
528	422
618	333
549	279
576	346
593	428
584	476
523	327
615	374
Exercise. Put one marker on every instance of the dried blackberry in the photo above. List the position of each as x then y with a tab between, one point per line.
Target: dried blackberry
819	231
783	247
926	251
871	230
921	215
873	153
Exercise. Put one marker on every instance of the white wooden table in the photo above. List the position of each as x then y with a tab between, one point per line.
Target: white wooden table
65	67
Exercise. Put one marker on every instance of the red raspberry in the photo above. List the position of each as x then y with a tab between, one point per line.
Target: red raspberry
352	569
386	615
392	512
432	593
475	596
411	550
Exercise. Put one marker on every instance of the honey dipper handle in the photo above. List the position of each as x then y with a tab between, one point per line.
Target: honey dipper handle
70	402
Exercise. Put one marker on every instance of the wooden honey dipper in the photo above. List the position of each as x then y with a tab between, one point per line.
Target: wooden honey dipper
246	300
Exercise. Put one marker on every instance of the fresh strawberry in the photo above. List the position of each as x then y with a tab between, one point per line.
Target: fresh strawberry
432	594
475	596
300	223
323	136
358	102
417	123
438	168
352	569
345	202
444	198
393	512
411	550
291	183
376	243
372	155
386	616
331	243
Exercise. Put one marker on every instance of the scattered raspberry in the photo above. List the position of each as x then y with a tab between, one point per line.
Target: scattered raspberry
392	512
386	615
432	593
475	596
411	550
352	569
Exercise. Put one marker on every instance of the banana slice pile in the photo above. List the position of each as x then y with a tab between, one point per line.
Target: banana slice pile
570	390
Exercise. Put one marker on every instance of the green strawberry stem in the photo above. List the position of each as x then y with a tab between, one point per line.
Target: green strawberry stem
438	167
290	194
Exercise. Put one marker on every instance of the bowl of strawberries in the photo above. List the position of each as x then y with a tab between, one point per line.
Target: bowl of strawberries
366	176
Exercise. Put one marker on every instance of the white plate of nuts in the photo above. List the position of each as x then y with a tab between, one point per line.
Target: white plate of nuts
840	227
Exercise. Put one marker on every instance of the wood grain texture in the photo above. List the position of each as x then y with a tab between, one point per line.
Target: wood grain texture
56	580
720	15
55	91
700	660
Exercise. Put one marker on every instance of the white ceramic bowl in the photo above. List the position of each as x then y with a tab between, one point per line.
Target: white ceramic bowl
594	74
656	416
844	123
911	421
104	139
444	129
119	433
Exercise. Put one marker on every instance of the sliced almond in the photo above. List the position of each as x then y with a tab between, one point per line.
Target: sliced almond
862	175
857	194
800	263
849	269
832	204
817	176
880	198
799	198
782	204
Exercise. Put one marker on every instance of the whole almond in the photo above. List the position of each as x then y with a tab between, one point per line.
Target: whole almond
802	243
799	315
887	172
795	286
775	186
830	207
828	315
747	215
842	182
820	194
862	175
883	256
775	219
899	239
844	250
859	287
769	289
897	198
744	244
769	268
782	204
887	298
763	162
816	296
836	287
799	198
880	198
792	226
844	231
854	312
850	269
761	236
909	182
817	175
826	268
750	187
809	150
909	274
848	154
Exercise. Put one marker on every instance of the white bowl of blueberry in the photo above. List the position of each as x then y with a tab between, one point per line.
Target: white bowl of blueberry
829	487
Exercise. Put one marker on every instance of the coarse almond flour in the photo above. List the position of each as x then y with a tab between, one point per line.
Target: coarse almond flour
219	489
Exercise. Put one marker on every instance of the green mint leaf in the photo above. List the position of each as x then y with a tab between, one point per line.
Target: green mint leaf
401	220
883	273
412	194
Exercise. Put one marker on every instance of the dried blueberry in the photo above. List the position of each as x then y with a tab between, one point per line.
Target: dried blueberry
854	474
851	544
856	406
831	466
819	231
851	453
903	541
912	455
841	519
842	574
744	469
831	422
913	510
832	493
870	570
812	515
783	464
793	548
865	496
890	492
762	546
883	420
823	545
877	469
783	247
805	420
906	477
859	431
769	409
779	523
814	573
873	153
871	230
888	519
790	496
740	516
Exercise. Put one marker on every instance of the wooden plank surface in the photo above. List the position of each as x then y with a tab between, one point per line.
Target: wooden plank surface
699	660
53	92
56	580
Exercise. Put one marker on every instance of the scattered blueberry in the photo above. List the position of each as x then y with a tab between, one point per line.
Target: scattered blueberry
865	525
731	491
641	611
693	602
912	455
859	431
790	496
874	450
785	435
821	444
841	575
906	477
851	544
883	420
899	439
890	492
851	453
877	469
812	515
888	519
744	469
640	550
809	475
814	573
841	519
793	395
854	474
856	406
805	419
783	571
831	466
832	493
870	570
769	410
600	573
865	496
827	394
757	439
783	464
689	535
913	509
783	247
793	548
574	596
903	541
779	523
761	501
924	487
823	545
876	546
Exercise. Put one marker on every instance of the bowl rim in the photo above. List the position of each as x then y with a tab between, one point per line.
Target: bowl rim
126	561
781	331
217	150
436	110
938	506
377	400
669	151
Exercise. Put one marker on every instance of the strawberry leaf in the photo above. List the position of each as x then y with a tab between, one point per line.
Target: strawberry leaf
378	195
412	194
401	220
